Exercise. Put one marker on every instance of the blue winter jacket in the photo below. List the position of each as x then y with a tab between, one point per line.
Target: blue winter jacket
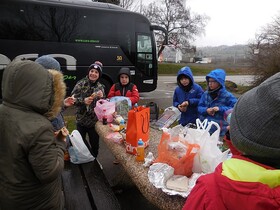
225	101
192	96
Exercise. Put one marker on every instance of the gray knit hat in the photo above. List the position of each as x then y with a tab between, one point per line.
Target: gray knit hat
255	120
48	62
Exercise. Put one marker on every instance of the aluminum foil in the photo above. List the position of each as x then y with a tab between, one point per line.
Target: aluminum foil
159	173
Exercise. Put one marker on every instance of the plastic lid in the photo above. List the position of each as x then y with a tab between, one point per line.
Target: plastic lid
140	142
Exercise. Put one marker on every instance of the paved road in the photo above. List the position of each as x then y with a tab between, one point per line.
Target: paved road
166	85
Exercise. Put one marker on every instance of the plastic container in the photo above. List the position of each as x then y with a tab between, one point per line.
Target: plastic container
140	151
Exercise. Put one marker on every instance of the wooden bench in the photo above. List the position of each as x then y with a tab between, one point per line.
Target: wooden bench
86	187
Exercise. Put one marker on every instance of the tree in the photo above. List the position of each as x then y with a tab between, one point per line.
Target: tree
264	55
182	26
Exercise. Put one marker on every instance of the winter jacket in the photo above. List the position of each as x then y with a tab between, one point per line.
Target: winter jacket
238	183
130	90
192	96
84	88
31	158
225	101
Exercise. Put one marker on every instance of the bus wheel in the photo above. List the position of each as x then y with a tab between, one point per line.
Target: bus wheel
107	85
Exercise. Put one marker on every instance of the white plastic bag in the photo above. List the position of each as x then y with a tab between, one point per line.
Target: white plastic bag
209	155
79	152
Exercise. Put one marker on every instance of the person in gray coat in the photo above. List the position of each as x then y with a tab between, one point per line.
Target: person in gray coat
31	156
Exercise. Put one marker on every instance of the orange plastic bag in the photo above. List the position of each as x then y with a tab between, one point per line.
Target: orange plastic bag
180	160
138	127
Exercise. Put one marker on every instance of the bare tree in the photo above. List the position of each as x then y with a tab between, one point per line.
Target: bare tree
264	52
182	25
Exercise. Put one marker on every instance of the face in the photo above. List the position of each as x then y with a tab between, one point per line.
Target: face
124	79
213	84
185	81
93	75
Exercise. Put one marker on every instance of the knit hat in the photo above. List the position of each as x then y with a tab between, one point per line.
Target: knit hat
98	66
48	62
255	120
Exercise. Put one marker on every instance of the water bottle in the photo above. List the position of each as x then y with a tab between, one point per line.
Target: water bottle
140	151
122	125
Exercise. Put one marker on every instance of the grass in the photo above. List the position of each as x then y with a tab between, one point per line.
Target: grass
70	122
201	69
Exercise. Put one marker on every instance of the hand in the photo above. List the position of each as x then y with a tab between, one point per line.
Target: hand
182	108
69	101
185	104
210	111
61	134
99	94
88	100
215	108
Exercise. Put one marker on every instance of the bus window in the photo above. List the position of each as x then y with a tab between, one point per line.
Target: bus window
144	54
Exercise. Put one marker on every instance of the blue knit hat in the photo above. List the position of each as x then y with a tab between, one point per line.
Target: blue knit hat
48	62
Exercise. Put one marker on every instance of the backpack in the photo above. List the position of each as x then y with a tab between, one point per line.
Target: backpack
154	110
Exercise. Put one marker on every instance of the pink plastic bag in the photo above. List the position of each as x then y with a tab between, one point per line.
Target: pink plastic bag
104	107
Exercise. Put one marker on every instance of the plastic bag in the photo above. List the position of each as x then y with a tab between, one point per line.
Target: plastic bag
104	107
78	152
209	155
122	104
169	116
176	153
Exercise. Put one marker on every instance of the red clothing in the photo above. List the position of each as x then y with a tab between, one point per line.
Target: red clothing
132	94
227	140
234	185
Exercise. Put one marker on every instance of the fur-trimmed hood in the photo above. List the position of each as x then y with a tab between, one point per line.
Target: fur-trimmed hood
26	85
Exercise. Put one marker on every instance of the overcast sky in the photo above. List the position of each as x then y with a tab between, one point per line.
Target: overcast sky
233	21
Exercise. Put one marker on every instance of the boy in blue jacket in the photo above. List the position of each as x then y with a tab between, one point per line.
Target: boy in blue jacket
186	96
216	100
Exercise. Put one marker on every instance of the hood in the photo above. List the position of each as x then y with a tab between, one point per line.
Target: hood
187	72
219	75
126	71
26	85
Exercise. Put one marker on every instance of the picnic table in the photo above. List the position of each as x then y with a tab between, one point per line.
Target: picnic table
138	173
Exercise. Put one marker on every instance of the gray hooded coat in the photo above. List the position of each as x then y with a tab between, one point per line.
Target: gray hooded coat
31	158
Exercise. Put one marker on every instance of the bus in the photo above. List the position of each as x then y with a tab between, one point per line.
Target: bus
77	33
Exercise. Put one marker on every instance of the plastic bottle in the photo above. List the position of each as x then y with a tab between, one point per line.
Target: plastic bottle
104	118
122	125
140	151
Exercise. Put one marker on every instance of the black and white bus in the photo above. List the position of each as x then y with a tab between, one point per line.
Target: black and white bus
77	33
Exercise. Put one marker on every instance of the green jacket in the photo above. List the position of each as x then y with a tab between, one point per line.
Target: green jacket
31	158
85	115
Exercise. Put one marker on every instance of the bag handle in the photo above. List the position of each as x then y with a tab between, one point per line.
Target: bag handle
143	129
201	125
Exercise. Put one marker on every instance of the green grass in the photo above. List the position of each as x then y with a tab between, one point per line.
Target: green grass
70	122
200	69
